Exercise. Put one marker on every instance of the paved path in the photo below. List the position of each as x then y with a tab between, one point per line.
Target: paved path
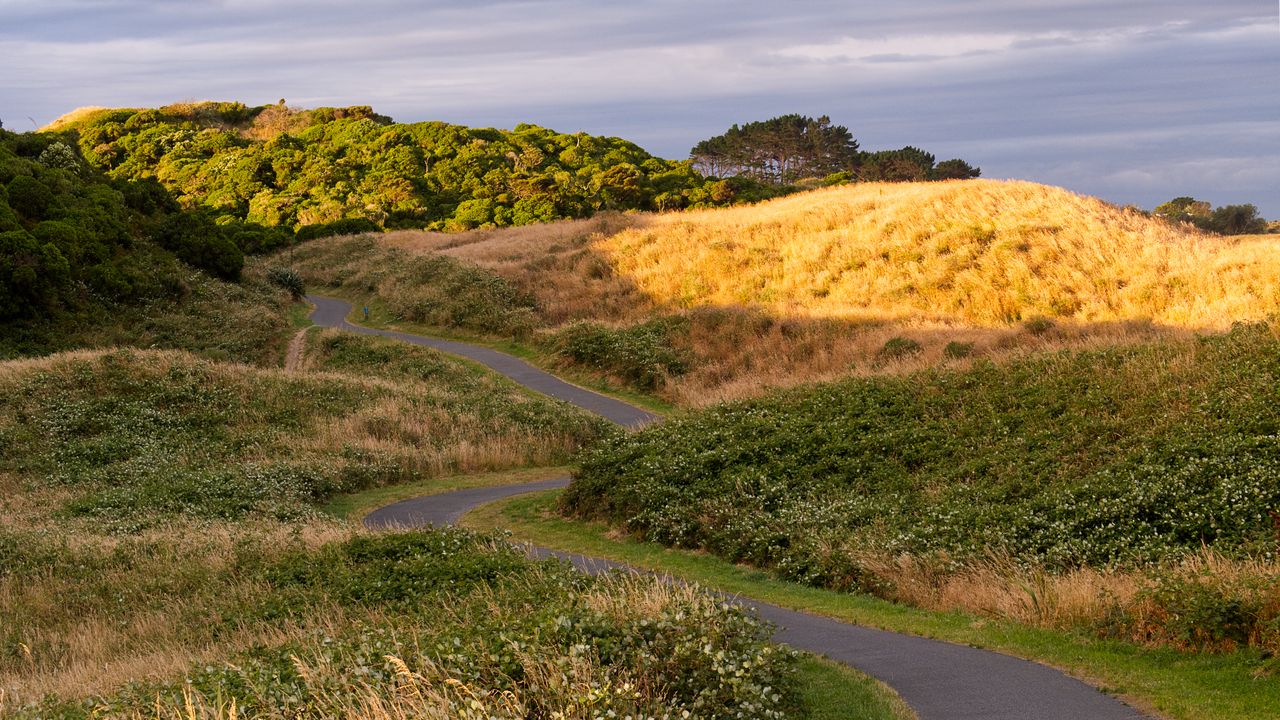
333	313
939	680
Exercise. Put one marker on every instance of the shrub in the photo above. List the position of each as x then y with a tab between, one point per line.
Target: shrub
289	279
345	226
641	354
898	348
955	350
197	240
29	197
1038	325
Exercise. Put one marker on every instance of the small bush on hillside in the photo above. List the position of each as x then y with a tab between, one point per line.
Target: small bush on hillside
1038	325
956	350
198	241
289	279
898	348
641	354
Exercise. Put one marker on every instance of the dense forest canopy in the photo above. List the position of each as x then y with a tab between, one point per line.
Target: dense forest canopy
790	148
277	166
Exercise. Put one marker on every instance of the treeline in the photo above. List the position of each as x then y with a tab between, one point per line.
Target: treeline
789	149
280	167
1225	220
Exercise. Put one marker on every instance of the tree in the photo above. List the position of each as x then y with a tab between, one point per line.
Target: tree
31	275
1184	209
955	169
1237	220
779	150
197	240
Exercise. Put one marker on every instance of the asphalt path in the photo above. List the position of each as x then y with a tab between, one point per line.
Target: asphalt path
939	680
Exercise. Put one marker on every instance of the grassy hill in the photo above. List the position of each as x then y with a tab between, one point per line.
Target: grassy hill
1132	490
163	554
864	279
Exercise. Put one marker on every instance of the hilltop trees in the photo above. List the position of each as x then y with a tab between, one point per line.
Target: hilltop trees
789	148
277	166
780	150
1226	220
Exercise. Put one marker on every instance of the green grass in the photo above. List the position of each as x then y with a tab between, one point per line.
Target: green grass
125	440
831	691
1186	686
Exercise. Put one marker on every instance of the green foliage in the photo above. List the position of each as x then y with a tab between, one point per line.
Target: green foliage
1118	456
898	348
1236	220
315	170
779	150
450	614
289	279
1199	608
198	241
31	275
82	250
346	226
29	197
956	350
432	289
138	437
796	150
1225	220
641	355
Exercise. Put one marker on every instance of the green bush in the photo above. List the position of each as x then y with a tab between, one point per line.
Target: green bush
898	348
289	279
956	350
1113	457
30	198
345	226
198	241
641	354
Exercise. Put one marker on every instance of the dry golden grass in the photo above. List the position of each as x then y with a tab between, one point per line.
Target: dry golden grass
977	253
1090	598
73	117
810	287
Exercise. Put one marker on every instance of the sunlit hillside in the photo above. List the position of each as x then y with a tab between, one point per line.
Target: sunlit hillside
985	253
863	279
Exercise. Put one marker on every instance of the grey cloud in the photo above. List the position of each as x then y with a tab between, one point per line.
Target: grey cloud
1112	98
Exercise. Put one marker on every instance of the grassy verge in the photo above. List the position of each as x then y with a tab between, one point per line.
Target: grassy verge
1179	685
831	691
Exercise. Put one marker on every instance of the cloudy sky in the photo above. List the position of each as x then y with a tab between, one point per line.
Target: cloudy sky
1136	101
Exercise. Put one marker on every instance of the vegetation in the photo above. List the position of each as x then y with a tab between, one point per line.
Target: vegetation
1085	461
128	439
787	149
163	556
93	262
1164	681
339	170
1226	220
811	287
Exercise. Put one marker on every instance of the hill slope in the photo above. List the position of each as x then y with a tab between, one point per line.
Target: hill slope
864	278
980	252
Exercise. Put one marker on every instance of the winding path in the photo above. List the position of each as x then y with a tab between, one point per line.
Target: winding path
939	680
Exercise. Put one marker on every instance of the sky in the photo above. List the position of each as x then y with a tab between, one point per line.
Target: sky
1136	101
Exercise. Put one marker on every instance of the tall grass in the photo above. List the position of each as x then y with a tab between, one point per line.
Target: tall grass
812	286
